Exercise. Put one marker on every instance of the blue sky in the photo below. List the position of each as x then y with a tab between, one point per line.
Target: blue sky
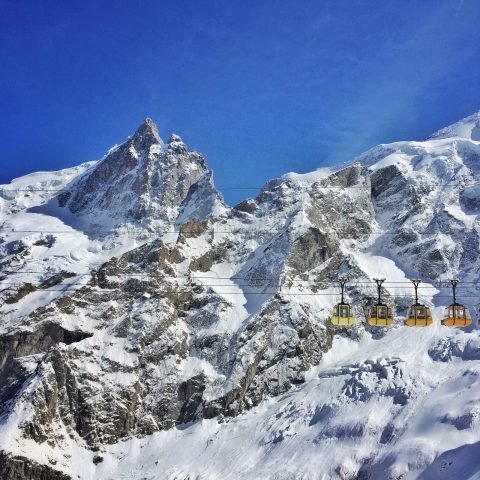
259	87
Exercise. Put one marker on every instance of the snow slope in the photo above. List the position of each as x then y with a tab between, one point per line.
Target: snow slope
355	413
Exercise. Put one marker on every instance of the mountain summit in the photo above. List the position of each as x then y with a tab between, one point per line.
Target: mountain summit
146	135
142	180
468	128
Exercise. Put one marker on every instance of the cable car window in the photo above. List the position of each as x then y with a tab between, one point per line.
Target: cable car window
382	312
459	312
420	313
344	311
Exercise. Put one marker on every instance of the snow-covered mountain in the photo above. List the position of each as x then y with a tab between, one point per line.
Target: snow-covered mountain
150	331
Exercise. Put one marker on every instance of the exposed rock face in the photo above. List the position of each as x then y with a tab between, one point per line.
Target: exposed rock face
22	343
142	179
419	194
219	308
247	206
23	468
159	330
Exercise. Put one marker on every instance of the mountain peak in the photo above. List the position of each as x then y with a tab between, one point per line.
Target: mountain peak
142	181
175	138
468	127
176	144
146	135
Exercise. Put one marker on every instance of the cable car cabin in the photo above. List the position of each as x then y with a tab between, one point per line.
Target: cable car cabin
342	315
419	316
380	315
456	315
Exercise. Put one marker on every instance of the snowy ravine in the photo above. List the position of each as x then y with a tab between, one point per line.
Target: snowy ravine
150	331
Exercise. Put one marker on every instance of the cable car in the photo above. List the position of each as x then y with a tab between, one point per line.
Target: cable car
456	314
380	314
418	315
342	312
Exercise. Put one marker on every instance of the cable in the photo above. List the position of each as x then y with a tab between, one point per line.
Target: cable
118	233
179	292
16	284
219	188
265	279
178	288
162	276
167	232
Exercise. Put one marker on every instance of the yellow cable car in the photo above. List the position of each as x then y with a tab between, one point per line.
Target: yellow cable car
380	314
456	314
418	315
342	312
